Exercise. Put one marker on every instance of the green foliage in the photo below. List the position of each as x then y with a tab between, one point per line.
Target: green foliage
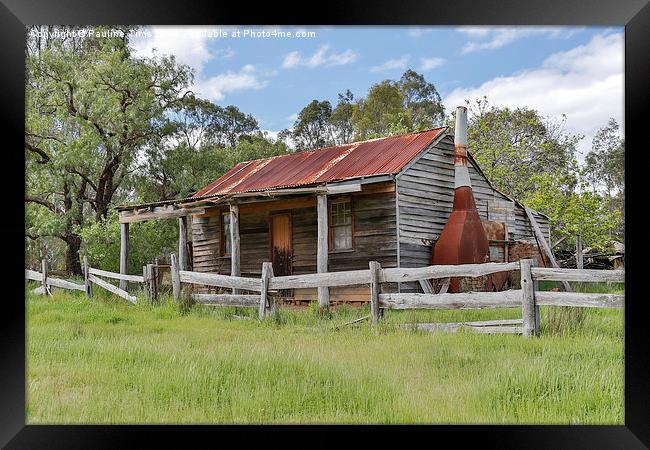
514	146
390	108
90	109
605	163
381	112
341	118
573	213
312	128
147	241
422	100
605	168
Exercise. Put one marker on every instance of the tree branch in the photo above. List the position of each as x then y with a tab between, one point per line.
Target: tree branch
45	158
40	201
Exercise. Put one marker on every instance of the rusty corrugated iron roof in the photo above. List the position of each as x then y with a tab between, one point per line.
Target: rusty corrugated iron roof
366	158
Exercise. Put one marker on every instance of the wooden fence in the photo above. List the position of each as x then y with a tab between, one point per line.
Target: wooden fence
48	281
528	297
91	276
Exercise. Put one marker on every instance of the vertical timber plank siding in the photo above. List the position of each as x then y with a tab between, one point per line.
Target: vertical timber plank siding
206	245
425	196
374	240
255	248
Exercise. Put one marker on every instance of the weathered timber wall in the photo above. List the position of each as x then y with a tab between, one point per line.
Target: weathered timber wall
374	239
425	196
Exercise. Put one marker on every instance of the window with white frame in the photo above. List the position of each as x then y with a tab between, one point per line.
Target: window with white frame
341	225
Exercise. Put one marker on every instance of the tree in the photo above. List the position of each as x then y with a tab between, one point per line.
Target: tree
422	100
578	213
91	107
605	166
381	113
605	163
513	146
312	128
341	118
390	108
236	125
195	150
147	241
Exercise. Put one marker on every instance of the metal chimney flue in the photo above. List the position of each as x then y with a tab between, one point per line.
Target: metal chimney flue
463	239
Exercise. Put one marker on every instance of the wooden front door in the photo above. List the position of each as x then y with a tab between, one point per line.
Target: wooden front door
281	249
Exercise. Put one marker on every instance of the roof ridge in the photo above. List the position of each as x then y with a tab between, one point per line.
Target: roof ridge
356	143
371	157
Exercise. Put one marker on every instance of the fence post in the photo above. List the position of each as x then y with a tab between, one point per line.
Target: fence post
87	283
537	314
150	282
145	285
527	298
267	270
176	277
375	268
46	290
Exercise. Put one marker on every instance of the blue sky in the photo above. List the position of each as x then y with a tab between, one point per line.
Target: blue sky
557	70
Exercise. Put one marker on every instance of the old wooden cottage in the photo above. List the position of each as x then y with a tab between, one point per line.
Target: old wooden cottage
336	209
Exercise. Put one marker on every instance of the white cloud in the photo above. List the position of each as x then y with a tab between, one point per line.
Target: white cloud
491	38
392	64
271	134
190	46
216	88
585	83
321	58
431	63
224	53
418	32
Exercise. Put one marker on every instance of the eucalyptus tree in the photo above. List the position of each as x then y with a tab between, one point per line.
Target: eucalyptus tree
92	107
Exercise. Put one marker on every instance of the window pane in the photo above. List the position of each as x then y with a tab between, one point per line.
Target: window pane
341	213
342	237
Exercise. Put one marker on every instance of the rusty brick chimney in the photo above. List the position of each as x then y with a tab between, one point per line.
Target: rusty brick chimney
463	239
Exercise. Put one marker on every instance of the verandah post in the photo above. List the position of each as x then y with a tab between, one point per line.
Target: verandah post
176	277
182	242
375	269
234	244
527	298
321	251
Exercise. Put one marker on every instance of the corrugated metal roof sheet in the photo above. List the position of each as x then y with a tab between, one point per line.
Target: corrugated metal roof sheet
374	157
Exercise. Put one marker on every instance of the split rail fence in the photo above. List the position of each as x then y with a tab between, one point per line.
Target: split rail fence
528	297
92	276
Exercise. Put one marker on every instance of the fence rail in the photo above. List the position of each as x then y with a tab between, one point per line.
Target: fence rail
529	298
116	276
91	276
588	275
465	300
47	281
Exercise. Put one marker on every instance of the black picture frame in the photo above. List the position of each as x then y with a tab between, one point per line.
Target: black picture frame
15	14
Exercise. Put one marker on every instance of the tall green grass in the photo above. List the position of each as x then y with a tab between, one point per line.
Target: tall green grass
106	361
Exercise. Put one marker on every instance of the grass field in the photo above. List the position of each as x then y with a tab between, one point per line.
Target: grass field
106	361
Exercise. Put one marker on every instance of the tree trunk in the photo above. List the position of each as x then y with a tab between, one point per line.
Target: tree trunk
72	262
